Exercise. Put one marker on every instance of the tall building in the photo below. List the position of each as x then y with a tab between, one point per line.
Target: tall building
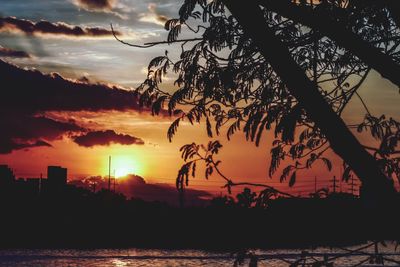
57	175
6	174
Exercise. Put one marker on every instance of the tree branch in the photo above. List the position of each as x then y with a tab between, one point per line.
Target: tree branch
150	44
335	30
343	142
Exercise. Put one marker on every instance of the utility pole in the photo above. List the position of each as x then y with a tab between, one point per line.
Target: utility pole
334	184
114	180
109	173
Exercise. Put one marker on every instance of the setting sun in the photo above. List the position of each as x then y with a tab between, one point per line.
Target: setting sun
122	172
123	165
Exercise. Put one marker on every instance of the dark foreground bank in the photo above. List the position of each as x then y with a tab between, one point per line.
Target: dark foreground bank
77	218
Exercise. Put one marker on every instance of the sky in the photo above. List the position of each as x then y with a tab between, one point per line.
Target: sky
66	101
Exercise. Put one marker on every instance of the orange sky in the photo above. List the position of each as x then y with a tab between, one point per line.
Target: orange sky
104	59
158	160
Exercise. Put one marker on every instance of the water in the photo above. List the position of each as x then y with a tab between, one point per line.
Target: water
174	258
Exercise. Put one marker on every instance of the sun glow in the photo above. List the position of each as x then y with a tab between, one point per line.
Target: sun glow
122	172
121	166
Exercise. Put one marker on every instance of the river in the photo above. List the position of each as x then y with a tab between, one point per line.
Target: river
172	258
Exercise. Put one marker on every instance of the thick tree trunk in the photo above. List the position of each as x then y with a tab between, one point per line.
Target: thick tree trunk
323	22
377	186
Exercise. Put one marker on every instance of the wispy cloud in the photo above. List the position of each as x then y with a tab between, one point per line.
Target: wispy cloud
8	52
153	16
47	28
103	6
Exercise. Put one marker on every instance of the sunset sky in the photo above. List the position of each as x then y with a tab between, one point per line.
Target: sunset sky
70	45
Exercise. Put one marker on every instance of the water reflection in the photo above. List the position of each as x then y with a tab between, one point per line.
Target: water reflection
177	258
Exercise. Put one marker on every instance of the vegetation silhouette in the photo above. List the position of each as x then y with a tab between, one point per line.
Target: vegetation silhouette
290	67
66	216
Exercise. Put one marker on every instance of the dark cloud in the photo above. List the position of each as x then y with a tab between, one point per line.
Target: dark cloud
27	93
32	128
7	146
21	131
136	187
96	5
106	138
32	91
12	24
8	52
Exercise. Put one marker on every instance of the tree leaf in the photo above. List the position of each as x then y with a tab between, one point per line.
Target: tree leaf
292	180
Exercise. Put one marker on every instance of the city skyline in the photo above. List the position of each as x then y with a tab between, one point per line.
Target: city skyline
130	181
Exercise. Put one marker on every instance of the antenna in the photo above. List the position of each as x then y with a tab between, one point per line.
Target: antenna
40	183
315	184
109	173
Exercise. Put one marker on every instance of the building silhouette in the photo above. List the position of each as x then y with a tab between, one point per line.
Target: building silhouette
57	175
32	185
6	174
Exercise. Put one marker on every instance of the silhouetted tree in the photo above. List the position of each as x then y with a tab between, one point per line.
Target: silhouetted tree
284	66
246	198
342	141
222	202
93	182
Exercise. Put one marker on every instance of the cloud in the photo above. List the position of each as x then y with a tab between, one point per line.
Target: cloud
106	138
153	16
29	128
104	6
136	187
96	5
8	52
43	27
6	146
21	131
32	91
25	95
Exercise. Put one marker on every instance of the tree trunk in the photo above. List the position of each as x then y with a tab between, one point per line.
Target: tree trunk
321	21
377	186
